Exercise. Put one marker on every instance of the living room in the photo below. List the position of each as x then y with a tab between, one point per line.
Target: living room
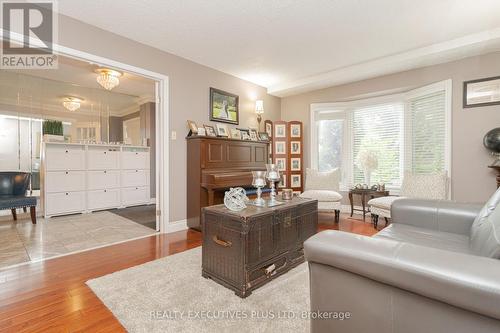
320	167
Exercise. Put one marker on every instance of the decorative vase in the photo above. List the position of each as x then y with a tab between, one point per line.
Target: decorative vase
259	181
367	177
272	175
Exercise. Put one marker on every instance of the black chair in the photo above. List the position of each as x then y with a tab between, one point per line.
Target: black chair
13	188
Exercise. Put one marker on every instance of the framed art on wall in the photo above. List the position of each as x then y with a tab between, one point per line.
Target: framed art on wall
481	92
224	106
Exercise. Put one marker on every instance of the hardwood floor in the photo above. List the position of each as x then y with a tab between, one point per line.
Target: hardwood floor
52	296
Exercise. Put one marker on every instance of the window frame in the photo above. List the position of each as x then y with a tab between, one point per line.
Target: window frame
344	110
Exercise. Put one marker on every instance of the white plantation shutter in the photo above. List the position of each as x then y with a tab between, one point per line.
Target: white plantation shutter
426	133
379	129
407	132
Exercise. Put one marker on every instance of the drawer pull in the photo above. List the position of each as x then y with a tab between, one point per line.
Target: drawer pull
221	242
66	172
105	152
105	191
66	193
269	270
105	171
66	151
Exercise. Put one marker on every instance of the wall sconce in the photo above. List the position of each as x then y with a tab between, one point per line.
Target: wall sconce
259	110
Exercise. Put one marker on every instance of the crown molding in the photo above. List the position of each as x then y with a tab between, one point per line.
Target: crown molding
455	49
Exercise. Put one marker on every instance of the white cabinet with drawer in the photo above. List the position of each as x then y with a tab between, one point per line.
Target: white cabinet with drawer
64	203
82	178
103	159
134	178
102	199
135	160
61	157
103	179
64	181
135	196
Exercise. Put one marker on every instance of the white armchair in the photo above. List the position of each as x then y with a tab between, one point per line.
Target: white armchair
324	187
429	186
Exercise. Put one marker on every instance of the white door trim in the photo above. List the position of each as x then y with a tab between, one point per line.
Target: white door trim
162	117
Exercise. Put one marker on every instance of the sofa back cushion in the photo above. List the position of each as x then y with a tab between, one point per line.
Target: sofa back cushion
316	180
426	186
485	230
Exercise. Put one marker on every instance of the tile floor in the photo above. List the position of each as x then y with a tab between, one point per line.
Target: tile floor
22	241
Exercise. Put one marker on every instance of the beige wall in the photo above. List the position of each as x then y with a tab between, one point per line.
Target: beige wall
189	91
471	179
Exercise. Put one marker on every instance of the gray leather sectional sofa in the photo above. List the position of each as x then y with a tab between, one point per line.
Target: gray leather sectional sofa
436	268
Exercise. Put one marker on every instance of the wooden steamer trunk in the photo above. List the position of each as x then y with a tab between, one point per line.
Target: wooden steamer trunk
244	250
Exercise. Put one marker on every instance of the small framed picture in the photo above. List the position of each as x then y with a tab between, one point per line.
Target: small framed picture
269	129
201	131
295	131
263	136
210	130
245	134
295	147
280	131
280	147
281	163
295	180
222	130
253	134
282	182
235	133
192	126
295	164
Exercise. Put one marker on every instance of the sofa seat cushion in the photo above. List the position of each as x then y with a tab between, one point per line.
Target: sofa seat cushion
426	237
383	202
322	195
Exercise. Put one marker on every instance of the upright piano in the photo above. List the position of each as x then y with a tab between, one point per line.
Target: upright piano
214	165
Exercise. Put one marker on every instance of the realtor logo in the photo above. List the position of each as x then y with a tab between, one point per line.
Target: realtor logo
29	31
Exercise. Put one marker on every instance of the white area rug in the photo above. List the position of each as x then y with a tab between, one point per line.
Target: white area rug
170	295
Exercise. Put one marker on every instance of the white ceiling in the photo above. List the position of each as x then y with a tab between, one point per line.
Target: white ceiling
291	46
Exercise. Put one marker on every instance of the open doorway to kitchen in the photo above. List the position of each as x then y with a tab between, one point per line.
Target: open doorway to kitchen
89	145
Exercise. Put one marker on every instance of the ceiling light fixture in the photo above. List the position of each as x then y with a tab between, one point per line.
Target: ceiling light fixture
72	103
108	78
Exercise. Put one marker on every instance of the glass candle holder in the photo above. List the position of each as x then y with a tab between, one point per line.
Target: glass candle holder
272	175
259	181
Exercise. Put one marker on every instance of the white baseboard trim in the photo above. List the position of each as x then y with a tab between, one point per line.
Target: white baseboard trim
176	226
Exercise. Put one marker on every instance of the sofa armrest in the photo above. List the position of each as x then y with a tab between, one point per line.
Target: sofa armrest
442	215
465	281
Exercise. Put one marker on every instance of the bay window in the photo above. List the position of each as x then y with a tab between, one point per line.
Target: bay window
406	132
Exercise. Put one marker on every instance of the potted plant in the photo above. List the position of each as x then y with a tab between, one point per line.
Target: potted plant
52	131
